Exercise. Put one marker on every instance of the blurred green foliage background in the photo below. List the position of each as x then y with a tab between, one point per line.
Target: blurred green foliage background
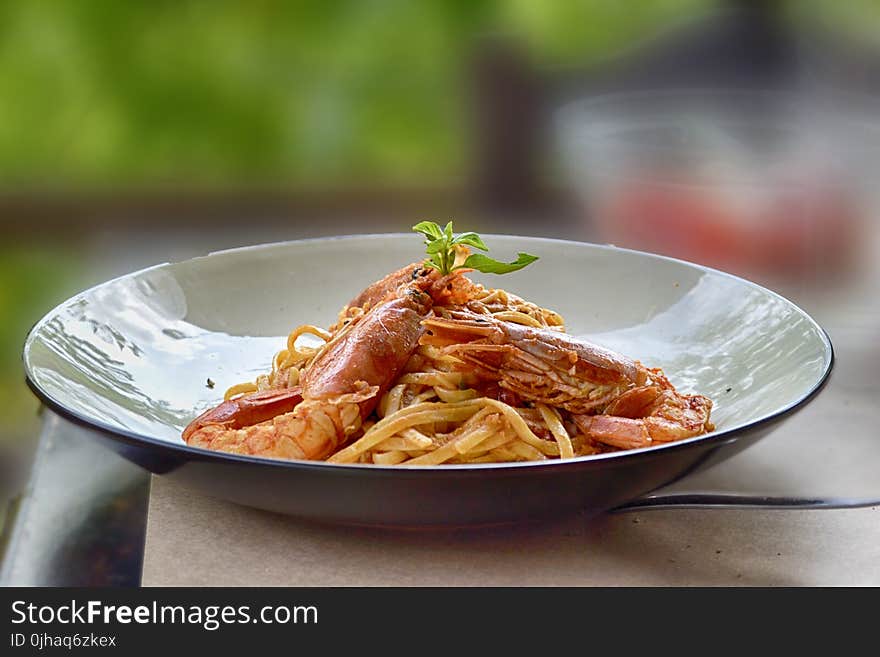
104	93
30	280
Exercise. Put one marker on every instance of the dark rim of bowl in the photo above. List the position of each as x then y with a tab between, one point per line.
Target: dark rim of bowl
185	452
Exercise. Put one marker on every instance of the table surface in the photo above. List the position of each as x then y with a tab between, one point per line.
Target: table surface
829	448
196	541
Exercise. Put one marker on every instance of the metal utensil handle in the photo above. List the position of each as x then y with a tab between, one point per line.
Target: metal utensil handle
722	501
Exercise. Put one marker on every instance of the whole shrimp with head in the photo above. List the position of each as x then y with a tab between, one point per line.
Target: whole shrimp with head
336	392
609	398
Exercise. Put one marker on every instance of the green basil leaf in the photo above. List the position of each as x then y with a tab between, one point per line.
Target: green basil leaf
436	246
440	248
471	239
428	229
487	265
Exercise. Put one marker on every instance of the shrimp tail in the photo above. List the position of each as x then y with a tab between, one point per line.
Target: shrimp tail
246	410
643	416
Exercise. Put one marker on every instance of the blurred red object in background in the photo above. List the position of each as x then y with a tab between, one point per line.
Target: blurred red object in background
799	231
764	185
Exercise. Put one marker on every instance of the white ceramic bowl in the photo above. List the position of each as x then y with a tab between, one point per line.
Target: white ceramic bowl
132	358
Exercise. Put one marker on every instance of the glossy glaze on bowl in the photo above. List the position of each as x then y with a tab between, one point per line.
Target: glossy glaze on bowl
133	358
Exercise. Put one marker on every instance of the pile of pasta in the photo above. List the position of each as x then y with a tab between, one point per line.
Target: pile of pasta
434	413
431	417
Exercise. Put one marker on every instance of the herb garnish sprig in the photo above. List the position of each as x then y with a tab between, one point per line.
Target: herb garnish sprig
440	246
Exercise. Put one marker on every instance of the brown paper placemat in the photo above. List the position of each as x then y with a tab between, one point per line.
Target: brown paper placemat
198	541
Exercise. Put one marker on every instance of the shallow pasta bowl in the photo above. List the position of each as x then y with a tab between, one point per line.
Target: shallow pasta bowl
138	357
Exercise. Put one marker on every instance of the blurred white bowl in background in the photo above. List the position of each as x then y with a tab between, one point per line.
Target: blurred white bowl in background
757	183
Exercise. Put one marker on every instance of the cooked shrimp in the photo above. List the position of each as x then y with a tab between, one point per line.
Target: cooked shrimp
637	405
539	365
340	388
246	410
647	414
